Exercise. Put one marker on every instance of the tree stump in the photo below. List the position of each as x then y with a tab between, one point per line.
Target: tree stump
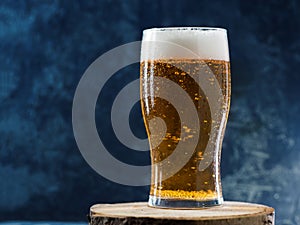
139	213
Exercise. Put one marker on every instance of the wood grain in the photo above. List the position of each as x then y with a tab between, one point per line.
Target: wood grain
230	213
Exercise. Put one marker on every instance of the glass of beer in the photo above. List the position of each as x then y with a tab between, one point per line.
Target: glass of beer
185	98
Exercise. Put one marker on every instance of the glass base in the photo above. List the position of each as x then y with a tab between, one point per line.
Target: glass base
182	204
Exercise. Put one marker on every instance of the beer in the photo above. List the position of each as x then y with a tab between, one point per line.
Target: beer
197	182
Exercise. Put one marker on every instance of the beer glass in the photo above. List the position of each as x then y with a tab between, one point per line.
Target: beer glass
185	98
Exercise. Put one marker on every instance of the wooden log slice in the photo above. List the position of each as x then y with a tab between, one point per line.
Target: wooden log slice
139	213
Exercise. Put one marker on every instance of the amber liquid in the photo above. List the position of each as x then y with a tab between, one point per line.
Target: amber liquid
189	183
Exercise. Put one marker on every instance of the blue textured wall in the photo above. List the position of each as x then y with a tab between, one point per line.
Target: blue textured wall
45	46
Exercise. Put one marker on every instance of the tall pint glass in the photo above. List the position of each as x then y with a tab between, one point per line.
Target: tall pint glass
185	98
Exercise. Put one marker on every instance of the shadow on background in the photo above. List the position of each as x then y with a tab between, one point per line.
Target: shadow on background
45	48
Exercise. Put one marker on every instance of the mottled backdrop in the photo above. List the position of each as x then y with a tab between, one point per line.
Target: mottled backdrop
45	47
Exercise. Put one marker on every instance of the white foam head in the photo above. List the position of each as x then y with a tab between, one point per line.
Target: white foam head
185	42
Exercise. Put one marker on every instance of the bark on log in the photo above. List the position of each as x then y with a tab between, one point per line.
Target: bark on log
138	213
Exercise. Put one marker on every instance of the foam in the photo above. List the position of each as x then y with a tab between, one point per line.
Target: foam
185	42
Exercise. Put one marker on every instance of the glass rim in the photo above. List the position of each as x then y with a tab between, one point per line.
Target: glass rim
162	29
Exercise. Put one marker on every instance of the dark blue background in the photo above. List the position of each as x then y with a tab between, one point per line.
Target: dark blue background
45	47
